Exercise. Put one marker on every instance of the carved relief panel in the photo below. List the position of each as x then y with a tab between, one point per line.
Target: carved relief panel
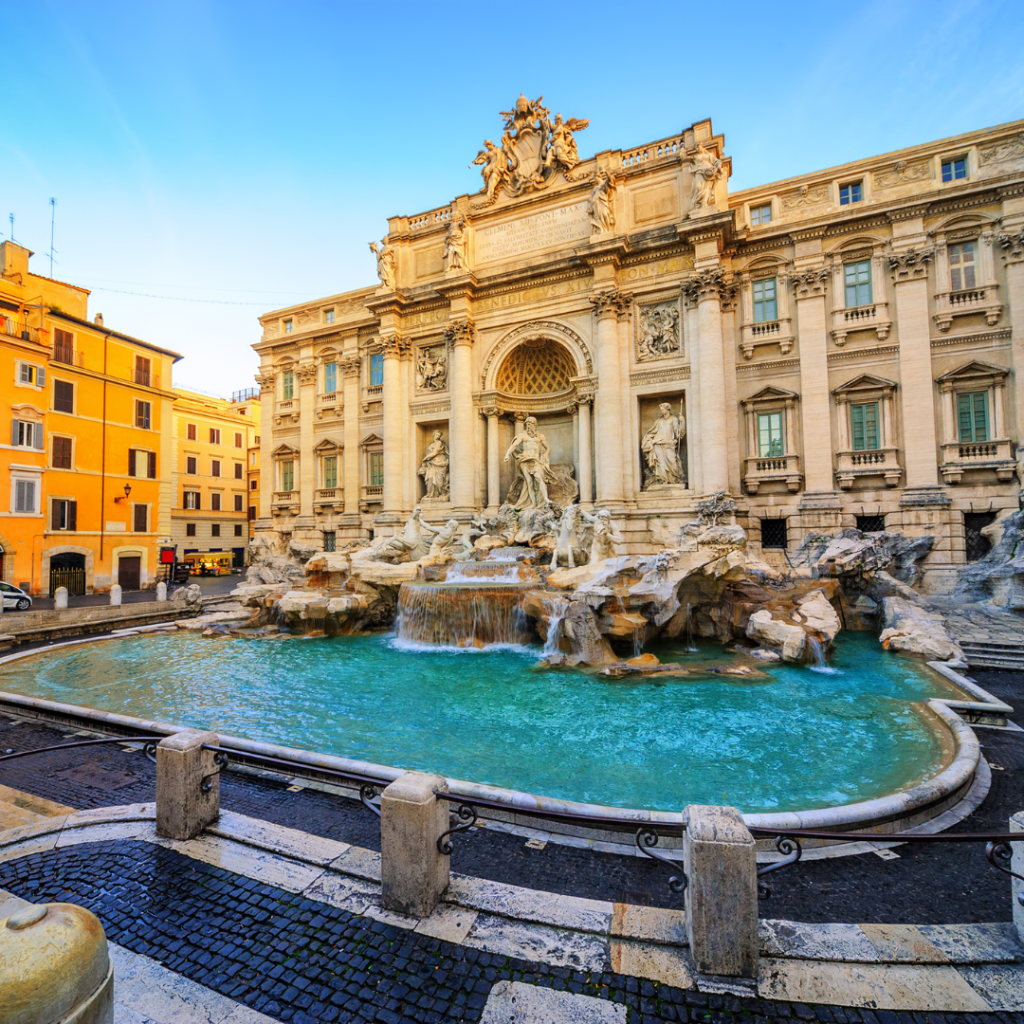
658	329
432	367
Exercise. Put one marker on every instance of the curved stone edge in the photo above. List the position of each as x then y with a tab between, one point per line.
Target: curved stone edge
880	816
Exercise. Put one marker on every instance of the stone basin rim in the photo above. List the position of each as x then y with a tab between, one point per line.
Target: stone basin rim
879	816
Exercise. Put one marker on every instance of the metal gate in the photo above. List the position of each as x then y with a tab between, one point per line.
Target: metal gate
976	545
73	579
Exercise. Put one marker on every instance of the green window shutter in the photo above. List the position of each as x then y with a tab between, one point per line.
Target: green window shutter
864	426
972	415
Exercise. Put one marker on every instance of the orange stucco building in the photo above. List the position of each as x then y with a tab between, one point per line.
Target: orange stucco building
86	466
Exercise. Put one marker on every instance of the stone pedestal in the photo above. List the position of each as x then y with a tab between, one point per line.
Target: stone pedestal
60	598
115	594
414	874
1017	866
183	810
161	592
721	895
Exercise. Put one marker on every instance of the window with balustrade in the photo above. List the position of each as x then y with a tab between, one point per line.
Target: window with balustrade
963	266
329	471
376	465
288	475
864	435
770	440
857	283
972	416
330	378
376	369
287	385
63	346
766	302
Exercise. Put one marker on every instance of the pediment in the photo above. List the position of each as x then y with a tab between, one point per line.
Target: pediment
975	368
328	444
771	394
370	440
866	382
284	449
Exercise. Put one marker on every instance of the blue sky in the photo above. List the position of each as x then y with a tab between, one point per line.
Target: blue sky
246	153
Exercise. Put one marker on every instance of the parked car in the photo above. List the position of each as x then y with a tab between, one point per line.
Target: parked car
15	598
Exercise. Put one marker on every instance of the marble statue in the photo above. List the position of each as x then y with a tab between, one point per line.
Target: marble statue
494	169
445	538
455	246
606	536
566	537
408	546
562	145
434	467
660	446
659	331
385	262
532	460
432	368
707	169
599	204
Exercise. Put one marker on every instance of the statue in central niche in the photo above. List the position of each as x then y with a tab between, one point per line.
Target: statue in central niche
532	455
434	467
660	446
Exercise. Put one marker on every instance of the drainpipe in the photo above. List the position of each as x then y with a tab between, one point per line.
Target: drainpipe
103	458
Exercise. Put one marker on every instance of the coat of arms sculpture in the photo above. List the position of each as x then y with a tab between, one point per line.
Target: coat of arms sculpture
533	149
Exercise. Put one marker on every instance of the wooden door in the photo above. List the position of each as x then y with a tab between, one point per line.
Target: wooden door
129	572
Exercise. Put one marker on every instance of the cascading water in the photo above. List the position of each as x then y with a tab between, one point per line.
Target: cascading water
556	616
815	657
475	572
462	615
690	646
638	642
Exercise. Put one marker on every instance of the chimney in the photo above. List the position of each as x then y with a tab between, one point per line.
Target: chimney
98	320
14	260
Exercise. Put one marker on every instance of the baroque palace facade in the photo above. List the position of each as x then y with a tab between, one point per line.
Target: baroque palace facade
834	350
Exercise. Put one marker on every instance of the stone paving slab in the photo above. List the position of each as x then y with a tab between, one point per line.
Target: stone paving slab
512	1002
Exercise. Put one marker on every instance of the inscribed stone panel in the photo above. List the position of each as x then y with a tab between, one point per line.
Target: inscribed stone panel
539	231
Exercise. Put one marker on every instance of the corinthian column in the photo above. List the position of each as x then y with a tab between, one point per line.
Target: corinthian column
493	460
307	459
394	411
461	424
1012	246
350	367
609	426
704	290
585	457
267	484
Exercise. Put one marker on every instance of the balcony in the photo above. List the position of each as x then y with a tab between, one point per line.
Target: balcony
949	305
883	462
959	457
773	332
773	469
329	405
327	498
13	329
371	395
285	500
286	410
858	318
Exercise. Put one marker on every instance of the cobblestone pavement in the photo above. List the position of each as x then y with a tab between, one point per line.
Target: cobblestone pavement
302	961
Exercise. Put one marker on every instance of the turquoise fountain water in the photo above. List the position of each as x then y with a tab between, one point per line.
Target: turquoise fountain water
795	739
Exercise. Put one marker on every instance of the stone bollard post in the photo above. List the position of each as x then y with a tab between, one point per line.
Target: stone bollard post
60	598
1017	866
414	874
115	594
721	894
161	591
183	810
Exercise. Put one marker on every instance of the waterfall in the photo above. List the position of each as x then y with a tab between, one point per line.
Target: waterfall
690	646
447	615
638	642
484	572
554	628
814	656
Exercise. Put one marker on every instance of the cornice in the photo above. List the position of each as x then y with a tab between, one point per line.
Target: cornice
981	338
863	353
769	366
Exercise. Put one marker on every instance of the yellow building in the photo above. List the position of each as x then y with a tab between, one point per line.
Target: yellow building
212	441
88	466
252	483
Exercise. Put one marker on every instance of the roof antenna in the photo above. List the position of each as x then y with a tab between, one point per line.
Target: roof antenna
10	217
53	210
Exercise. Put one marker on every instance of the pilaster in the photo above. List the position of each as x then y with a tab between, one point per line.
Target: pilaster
394	412
1011	246
608	305
306	380
351	365
460	335
268	395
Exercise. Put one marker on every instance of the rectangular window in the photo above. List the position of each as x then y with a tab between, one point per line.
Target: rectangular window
141	463
238	529
63	396
953	170
190	529
376	369
857	278
25	496
214	435
329	316
28	373
239	469
852	192
63	346
141	519
871	524
330	540
766	307
253	484
26	435
864	426
239	502
376	469
142	414
61	453
252	512
972	415
191	499
769	435
330	378
331	471
254	459
288	326
760	214
214	467
63	514
215	502
215	529
774	533
142	370
238	439
191	465
287	385
962	263
190	431
287	476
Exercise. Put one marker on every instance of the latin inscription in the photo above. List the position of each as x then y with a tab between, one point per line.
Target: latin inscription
552	227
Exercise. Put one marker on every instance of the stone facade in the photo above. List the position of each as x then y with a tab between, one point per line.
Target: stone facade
835	350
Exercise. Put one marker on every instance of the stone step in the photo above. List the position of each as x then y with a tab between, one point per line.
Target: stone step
992	648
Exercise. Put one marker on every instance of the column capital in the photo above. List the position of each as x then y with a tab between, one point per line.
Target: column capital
350	365
490	410
1012	246
910	263
611	302
393	345
307	373
705	284
810	283
460	332
265	381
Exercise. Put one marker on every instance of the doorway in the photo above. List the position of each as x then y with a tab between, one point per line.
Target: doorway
129	572
68	570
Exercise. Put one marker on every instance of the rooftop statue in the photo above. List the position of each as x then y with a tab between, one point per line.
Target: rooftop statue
385	262
455	246
707	169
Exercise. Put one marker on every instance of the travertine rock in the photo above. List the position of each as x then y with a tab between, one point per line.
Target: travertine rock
997	579
783	637
819	616
915	629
